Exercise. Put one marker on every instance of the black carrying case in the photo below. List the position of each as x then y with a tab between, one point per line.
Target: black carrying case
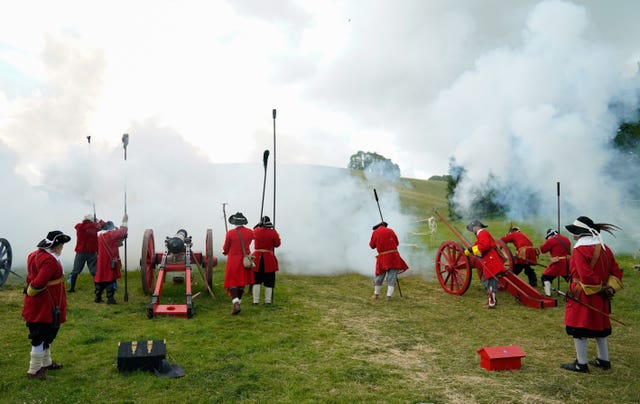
141	355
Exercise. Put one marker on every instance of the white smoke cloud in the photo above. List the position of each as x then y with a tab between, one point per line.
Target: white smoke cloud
527	117
324	215
530	92
52	180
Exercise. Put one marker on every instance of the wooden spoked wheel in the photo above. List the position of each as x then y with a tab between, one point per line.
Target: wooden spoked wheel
505	253
209	258
453	268
147	261
6	256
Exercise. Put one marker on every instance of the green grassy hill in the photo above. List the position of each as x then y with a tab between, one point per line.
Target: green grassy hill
323	340
423	195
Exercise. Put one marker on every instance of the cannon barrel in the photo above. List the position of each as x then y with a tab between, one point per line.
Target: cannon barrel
177	244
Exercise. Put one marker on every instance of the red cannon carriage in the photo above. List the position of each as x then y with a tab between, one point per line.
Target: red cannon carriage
176	257
454	269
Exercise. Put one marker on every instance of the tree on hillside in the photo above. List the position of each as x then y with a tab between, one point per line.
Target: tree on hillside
484	204
374	163
627	142
440	178
628	138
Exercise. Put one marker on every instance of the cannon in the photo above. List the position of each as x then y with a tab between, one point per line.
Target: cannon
454	270
176	257
5	260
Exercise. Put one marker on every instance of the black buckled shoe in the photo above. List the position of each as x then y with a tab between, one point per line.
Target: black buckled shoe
41	374
601	363
53	366
576	367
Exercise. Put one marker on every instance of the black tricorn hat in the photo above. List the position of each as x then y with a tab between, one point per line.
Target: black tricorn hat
382	223
550	233
266	222
475	223
238	219
108	226
53	239
582	225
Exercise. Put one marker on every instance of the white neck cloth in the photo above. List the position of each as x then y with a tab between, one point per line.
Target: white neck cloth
594	233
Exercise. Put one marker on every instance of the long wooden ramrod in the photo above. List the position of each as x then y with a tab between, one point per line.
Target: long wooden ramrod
529	262
585	304
455	231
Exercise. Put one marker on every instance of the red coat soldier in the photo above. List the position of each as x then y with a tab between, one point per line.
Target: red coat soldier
109	264
389	263
595	278
45	302
266	240
492	264
86	248
236	246
525	256
559	248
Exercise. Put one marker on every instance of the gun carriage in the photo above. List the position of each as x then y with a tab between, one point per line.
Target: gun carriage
454	270
177	256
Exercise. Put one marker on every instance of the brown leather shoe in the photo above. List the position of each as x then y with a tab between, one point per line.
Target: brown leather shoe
40	374
53	366
236	309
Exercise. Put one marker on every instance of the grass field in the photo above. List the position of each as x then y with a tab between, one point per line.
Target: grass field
323	340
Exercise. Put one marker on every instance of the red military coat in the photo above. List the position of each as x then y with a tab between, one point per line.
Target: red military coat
264	242
559	248
87	236
108	248
525	252
42	268
385	241
491	262
582	321
236	275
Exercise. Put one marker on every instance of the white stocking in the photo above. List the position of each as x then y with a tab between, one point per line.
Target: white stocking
46	360
37	357
581	350
390	290
256	293
603	348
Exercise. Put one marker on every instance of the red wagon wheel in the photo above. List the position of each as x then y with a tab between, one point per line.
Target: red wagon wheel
505	253
453	268
147	261
209	259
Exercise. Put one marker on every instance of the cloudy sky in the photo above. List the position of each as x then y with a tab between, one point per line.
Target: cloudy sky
515	91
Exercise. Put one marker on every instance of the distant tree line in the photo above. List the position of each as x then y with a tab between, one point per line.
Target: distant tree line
371	162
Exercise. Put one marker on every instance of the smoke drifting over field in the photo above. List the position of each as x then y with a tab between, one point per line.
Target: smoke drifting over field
522	94
526	117
324	215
